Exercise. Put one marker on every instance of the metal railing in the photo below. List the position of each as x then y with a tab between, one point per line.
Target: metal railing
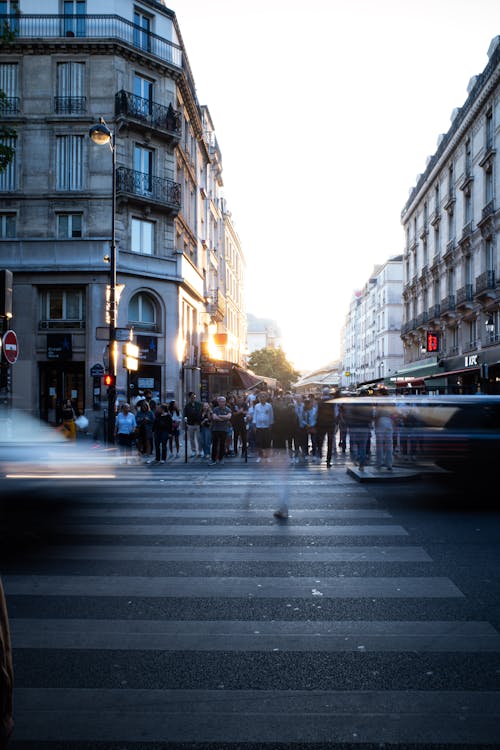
150	112
149	187
104	27
70	105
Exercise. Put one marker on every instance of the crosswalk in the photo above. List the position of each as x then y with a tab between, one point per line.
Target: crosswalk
173	608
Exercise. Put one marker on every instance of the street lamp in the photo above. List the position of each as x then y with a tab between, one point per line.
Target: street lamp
102	135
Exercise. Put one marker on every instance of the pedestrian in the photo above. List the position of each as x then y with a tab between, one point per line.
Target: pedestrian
174	437
162	429
68	419
192	418
263	418
239	425
359	424
125	431
309	417
326	425
221	422
144	418
6	674
285	428
384	429
206	429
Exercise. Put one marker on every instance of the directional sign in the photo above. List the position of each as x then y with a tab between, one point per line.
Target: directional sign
10	347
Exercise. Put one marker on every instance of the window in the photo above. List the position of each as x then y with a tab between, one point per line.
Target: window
142	29
74	17
8	175
143	163
143	90
142	237
9	103
70	97
69	172
62	308
142	311
489	129
69	226
10	8
7	226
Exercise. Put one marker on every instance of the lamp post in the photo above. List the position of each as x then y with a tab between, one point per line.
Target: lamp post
102	135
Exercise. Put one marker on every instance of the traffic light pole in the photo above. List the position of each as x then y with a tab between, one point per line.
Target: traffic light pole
112	307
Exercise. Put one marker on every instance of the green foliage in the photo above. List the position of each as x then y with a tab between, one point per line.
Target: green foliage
272	363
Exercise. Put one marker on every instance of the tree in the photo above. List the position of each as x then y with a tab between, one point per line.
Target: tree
272	363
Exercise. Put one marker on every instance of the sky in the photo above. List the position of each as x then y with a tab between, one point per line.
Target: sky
325	112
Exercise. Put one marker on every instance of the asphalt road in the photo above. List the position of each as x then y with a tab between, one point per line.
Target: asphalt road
172	610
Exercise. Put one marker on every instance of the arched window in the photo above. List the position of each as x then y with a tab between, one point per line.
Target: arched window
142	312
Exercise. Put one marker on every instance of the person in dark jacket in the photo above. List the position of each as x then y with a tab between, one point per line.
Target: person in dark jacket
192	418
326	425
162	429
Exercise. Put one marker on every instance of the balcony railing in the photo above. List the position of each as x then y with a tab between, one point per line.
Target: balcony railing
216	305
448	303
99	27
70	105
465	294
151	113
485	281
434	311
9	105
148	187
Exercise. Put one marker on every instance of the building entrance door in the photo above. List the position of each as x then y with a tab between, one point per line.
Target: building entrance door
59	382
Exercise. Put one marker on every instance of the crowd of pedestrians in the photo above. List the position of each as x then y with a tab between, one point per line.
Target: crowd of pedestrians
299	429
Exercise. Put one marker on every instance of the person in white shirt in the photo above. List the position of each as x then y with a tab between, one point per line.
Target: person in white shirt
263	419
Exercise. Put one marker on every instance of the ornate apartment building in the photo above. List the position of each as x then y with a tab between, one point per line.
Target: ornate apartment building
451	295
179	262
371	347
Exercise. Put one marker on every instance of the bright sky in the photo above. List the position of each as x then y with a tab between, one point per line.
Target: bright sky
325	112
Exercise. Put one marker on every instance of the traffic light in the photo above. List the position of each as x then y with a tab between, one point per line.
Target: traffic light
110	380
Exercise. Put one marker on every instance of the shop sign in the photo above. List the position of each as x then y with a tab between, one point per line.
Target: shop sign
148	348
59	346
471	360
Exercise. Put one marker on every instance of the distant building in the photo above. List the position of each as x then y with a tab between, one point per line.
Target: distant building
371	346
262	333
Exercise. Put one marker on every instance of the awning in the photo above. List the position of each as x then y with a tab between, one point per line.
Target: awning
246	379
417	370
452	372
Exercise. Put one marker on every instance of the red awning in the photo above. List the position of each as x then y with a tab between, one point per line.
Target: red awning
247	379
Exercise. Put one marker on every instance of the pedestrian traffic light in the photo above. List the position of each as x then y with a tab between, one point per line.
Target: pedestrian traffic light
110	380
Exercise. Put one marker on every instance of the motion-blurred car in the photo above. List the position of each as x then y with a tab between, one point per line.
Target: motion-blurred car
458	433
33	454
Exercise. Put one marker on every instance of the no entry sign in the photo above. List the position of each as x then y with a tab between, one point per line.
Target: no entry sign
10	347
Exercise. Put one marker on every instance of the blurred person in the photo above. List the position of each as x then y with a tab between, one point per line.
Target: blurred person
383	418
206	429
6	674
68	419
162	429
326	426
263	419
174	438
221	422
239	425
309	417
285	428
192	418
359	424
125	429
144	418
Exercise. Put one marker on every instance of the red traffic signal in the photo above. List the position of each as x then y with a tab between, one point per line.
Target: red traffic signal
109	380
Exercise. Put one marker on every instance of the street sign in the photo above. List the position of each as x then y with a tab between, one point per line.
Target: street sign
97	370
10	347
121	334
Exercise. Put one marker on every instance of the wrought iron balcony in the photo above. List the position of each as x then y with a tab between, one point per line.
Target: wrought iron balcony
216	305
148	188
448	304
434	311
9	105
70	105
464	295
149	113
98	27
485	283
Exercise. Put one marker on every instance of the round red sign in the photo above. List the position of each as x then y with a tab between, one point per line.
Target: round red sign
10	347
